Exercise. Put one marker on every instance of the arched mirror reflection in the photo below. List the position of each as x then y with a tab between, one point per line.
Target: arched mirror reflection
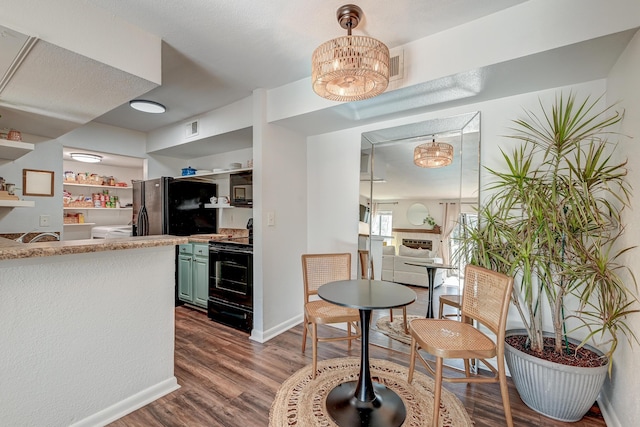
435	164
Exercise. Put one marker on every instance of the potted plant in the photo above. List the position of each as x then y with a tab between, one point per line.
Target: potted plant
429	221
553	221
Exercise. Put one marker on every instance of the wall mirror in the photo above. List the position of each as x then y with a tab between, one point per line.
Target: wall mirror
416	213
391	185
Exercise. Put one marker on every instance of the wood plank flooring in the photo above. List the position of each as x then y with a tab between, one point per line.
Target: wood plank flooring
228	380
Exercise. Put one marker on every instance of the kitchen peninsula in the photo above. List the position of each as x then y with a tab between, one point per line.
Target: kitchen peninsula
87	328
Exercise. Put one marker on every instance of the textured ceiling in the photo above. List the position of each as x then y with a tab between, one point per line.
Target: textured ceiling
217	52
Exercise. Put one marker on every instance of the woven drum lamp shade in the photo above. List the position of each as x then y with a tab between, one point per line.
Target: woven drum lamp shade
350	68
433	155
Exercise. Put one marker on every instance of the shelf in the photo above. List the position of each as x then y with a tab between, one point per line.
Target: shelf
434	230
17	203
208	176
115	187
12	150
212	206
79	224
95	209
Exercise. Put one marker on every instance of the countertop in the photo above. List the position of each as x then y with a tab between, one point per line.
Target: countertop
10	249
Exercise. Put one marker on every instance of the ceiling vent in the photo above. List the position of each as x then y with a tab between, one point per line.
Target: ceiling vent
396	65
193	129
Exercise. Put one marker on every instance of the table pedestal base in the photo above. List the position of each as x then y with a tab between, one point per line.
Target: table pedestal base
386	410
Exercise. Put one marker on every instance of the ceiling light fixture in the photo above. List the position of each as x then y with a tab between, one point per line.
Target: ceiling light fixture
433	154
350	68
147	106
86	157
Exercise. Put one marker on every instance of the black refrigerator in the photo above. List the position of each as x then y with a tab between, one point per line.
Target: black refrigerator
173	206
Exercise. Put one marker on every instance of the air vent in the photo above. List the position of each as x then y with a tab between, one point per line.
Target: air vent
192	129
396	65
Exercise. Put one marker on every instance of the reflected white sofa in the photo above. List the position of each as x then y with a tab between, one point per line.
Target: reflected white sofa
395	269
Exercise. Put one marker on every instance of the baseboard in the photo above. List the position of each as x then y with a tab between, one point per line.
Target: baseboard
265	336
130	404
610	417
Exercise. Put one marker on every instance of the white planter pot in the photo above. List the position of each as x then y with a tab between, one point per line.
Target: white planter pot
557	391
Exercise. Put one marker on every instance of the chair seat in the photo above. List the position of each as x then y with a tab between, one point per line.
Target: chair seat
324	312
450	339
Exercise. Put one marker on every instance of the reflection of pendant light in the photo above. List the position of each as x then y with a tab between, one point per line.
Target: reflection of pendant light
350	68
86	157
433	155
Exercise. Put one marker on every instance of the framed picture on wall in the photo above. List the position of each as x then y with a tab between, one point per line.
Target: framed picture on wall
37	182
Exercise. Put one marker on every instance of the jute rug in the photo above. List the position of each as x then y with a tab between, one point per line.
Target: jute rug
395	329
300	401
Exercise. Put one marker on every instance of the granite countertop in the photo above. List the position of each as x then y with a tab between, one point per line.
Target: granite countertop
204	238
10	249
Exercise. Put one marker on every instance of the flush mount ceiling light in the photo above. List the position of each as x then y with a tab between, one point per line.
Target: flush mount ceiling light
147	106
433	154
350	68
86	157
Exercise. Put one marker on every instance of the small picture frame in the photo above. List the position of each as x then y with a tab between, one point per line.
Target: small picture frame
239	193
37	182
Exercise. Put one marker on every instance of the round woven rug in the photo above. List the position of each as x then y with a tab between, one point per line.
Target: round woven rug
300	401
395	329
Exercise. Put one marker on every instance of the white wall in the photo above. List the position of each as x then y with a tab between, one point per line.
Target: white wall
47	156
86	337
619	397
280	189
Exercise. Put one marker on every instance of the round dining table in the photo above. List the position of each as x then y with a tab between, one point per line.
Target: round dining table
363	402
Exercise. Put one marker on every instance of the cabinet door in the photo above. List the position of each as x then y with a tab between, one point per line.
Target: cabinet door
200	281
185	275
200	275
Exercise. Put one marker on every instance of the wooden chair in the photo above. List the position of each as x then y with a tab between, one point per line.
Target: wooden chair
318	269
363	256
486	298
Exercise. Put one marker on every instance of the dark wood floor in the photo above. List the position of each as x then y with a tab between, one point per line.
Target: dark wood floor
228	380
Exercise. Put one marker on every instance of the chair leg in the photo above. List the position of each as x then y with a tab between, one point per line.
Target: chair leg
314	337
412	358
437	391
304	334
349	336
504	390
391	315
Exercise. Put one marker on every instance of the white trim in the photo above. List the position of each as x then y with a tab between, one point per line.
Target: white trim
265	336
130	404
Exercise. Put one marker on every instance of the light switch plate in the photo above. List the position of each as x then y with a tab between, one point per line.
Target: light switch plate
271	219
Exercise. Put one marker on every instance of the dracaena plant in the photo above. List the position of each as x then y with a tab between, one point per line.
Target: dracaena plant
553	220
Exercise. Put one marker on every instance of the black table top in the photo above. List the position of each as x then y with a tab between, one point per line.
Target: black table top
367	294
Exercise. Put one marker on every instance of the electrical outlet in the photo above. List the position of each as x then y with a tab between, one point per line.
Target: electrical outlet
271	219
44	220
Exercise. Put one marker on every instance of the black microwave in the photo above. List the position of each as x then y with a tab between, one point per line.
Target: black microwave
241	189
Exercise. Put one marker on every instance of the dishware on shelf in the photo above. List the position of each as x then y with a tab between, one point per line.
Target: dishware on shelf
223	200
188	171
235	165
213	200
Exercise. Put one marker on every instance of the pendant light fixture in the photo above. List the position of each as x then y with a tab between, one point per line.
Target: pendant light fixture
350	68
433	154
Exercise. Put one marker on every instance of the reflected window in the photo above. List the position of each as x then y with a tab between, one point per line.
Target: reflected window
382	224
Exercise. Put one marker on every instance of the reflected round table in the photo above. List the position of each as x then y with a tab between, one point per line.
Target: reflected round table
431	272
363	403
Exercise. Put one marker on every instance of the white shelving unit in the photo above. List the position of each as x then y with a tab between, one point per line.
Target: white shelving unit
12	150
97	216
17	203
217	206
213	175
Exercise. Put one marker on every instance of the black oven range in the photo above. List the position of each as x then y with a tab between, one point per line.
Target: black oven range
231	283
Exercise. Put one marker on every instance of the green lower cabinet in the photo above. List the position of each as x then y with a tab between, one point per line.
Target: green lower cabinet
193	274
200	278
